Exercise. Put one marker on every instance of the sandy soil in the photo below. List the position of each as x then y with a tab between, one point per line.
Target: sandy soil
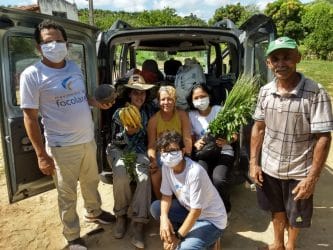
34	223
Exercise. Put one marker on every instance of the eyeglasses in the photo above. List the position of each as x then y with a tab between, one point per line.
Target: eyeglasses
51	41
171	152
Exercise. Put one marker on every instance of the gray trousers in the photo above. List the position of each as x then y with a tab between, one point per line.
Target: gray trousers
134	205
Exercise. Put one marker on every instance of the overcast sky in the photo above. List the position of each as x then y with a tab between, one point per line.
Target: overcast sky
203	9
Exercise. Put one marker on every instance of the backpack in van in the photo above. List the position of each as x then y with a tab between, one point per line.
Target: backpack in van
188	75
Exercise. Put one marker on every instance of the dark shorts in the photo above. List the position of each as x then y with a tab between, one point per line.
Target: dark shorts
275	196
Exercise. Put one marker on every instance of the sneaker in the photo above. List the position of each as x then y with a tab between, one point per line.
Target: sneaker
103	218
77	244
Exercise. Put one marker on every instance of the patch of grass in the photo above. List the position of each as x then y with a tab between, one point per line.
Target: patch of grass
320	71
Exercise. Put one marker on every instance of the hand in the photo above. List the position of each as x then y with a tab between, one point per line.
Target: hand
132	130
46	164
153	168
93	102
199	144
220	142
166	230
171	246
305	188
256	174
105	105
234	138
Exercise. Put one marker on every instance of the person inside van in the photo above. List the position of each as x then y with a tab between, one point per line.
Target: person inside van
171	67
167	118
150	71
129	141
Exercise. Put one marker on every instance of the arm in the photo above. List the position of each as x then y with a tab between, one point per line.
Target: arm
257	138
186	131
155	172
189	221
166	228
306	187
45	162
151	131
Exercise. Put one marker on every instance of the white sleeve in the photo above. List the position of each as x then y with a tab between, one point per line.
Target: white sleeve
165	185
29	90
196	192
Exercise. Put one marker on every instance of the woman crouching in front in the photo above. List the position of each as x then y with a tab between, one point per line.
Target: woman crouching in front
197	217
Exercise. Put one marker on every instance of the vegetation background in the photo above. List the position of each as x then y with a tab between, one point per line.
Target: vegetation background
310	24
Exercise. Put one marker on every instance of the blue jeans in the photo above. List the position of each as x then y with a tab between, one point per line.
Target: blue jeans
202	235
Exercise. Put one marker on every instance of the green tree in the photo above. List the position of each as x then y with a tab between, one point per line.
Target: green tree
234	12
318	23
287	16
166	17
193	20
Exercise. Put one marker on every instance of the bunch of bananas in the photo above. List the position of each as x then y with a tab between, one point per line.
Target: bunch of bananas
130	116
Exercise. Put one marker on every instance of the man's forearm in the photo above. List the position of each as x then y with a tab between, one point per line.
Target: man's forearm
320	153
257	138
34	133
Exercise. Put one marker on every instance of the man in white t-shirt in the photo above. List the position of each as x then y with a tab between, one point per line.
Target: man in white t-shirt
54	88
197	217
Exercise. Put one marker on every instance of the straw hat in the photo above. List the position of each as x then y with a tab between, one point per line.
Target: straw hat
138	82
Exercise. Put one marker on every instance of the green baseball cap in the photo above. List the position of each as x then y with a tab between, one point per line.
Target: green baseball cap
283	42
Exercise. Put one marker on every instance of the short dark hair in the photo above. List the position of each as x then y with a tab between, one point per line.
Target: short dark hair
194	87
168	137
48	24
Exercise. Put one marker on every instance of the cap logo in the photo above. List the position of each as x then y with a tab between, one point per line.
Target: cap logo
279	41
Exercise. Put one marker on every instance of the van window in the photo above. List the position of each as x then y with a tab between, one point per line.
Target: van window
161	56
260	67
22	53
116	67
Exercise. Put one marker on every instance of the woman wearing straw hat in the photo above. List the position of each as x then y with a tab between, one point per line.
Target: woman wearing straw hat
126	139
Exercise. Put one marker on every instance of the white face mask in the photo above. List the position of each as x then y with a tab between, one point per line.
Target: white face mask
54	51
171	159
201	104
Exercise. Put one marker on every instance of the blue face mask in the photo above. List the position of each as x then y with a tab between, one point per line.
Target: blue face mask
171	159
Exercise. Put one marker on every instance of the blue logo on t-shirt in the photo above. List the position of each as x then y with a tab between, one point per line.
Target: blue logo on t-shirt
66	83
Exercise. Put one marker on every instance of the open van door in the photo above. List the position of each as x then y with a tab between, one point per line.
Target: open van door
17	51
257	32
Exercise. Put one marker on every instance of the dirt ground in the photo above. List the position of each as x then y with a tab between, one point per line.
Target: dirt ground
34	223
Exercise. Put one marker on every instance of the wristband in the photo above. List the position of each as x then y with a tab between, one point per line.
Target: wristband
179	236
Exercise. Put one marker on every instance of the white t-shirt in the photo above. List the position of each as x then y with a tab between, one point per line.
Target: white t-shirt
200	125
60	96
194	189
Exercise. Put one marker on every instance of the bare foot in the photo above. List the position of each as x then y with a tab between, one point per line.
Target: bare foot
271	247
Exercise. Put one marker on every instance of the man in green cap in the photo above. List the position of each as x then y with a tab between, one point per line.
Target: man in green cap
289	143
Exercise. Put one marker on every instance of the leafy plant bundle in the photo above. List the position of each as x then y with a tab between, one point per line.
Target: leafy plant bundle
129	158
237	109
